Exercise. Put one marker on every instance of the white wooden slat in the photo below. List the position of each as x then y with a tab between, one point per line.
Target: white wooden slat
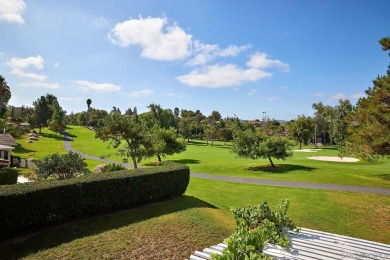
341	249
194	257
355	241
202	254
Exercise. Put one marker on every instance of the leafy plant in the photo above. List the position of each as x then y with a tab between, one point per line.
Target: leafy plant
257	225
61	166
113	168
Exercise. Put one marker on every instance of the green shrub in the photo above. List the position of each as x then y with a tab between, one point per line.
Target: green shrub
30	206
8	176
61	166
113	168
257	225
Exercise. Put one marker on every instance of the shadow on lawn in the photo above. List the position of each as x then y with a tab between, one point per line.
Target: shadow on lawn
57	137
186	161
281	168
55	236
20	149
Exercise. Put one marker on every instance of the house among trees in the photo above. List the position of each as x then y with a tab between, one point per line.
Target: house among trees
7	143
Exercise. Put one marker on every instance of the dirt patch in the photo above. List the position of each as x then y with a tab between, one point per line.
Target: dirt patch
333	159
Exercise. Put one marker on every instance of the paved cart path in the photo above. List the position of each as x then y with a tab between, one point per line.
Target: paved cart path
294	184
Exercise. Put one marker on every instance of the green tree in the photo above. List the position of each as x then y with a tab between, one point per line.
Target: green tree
185	127
57	121
43	110
302	129
163	138
323	116
369	126
5	96
126	133
252	145
339	126
212	127
165	142
96	115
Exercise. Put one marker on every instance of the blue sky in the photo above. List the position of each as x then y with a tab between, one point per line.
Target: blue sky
236	57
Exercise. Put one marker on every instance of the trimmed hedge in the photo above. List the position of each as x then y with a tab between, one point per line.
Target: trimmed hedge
8	176
30	206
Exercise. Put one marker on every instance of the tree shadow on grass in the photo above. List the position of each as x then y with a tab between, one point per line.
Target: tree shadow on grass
280	169
186	161
54	236
57	137
197	143
20	149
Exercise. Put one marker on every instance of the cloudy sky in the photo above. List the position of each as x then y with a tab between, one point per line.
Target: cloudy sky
237	57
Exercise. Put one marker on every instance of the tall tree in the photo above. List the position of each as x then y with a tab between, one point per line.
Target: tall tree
57	121
5	95
323	116
43	110
302	129
370	121
125	133
339	126
89	102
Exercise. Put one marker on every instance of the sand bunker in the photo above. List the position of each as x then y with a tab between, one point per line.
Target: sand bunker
333	159
307	150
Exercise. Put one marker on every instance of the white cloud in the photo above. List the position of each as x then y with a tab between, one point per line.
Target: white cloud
99	87
339	96
318	94
261	61
56	65
140	93
19	63
48	85
11	11
233	50
170	94
20	66
357	95
272	98
205	53
158	39
252	92
217	76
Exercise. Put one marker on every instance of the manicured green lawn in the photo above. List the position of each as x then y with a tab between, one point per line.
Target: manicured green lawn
219	160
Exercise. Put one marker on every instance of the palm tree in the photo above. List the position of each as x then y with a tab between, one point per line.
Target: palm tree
89	102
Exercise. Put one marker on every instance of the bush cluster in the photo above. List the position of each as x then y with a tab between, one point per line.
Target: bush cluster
61	166
8	176
113	168
30	206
